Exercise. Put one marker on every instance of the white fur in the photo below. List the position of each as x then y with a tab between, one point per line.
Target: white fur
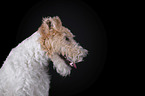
60	65
24	73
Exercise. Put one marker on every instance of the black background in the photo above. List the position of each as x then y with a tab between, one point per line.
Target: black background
89	21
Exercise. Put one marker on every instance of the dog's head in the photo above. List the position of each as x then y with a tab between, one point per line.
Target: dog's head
56	39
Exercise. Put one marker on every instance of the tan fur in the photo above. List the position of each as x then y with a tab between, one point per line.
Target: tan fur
53	41
48	33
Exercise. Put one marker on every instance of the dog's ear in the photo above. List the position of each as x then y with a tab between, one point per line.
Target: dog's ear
56	22
46	26
49	24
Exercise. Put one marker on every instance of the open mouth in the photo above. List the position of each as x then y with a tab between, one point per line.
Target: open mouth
68	61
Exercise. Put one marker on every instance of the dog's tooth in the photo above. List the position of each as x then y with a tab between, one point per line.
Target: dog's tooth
71	64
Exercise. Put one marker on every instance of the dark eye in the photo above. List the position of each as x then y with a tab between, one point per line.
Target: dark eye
66	38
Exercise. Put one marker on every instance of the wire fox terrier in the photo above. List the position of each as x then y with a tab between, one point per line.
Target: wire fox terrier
25	72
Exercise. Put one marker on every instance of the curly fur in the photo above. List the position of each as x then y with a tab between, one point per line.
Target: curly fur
25	70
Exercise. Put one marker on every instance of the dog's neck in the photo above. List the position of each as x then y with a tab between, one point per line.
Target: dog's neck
39	54
29	52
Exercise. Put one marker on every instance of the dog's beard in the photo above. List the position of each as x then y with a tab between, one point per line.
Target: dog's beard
71	61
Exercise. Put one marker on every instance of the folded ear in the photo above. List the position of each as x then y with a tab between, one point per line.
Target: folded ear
45	26
56	23
49	23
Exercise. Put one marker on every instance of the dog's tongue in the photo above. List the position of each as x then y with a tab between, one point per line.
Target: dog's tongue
73	64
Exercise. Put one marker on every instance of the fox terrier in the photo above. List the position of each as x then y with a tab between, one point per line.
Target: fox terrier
25	70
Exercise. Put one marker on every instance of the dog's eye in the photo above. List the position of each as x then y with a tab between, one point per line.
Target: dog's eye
67	39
